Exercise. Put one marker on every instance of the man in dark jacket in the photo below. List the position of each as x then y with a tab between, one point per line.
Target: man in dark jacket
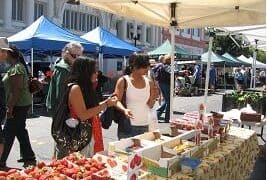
164	85
62	68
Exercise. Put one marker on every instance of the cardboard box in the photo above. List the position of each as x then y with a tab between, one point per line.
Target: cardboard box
160	162
123	145
155	137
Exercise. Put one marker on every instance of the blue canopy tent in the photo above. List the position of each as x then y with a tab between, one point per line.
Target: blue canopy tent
46	37
110	45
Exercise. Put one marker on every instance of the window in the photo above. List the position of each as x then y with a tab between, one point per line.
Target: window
188	31
148	35
192	32
76	21
66	19
17	10
39	9
198	32
82	22
79	21
128	30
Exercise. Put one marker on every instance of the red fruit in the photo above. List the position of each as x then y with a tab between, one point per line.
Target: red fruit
124	168
70	166
133	177
87	167
11	171
132	164
81	162
40	165
93	169
3	173
99	158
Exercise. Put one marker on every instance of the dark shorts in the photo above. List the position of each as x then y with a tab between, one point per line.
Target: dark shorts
135	130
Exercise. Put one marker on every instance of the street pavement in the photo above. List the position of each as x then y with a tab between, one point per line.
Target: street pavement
42	142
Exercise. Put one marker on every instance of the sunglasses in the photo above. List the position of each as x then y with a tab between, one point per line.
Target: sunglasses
74	56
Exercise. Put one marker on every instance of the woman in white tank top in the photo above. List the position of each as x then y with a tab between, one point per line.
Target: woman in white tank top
141	94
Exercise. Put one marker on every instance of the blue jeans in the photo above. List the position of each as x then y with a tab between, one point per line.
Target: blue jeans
165	89
132	131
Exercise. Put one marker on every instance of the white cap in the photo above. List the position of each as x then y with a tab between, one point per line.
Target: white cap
4	44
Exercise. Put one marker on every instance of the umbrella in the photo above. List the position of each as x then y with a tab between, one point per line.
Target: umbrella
185	13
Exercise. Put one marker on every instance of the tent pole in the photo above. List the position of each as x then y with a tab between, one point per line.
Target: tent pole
254	64
208	70
124	62
224	80
32	74
99	61
172	72
173	25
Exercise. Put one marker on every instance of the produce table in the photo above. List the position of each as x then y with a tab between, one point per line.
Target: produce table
233	159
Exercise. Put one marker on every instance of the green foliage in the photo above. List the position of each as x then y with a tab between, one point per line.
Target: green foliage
240	99
223	44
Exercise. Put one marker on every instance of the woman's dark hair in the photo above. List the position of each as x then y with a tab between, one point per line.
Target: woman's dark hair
137	61
16	54
81	71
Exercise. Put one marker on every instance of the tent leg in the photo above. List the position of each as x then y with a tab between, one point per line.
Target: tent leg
32	75
172	71
224	80
254	64
208	70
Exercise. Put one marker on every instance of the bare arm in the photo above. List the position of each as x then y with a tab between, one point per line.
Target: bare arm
154	93
119	91
77	102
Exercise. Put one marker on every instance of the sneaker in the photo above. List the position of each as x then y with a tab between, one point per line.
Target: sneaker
29	163
26	159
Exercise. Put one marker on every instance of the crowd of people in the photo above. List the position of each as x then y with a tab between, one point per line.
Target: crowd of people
80	75
77	77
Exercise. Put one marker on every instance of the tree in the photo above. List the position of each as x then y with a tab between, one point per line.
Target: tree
223	44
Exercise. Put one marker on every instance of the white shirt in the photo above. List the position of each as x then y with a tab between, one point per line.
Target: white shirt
136	100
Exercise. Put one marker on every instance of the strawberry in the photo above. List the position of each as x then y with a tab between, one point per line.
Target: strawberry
40	165
124	168
132	164
133	177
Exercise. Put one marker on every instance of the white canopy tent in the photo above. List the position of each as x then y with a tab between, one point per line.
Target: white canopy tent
250	34
255	36
250	61
184	14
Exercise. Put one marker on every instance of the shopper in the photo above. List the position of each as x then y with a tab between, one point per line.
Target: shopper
3	55
239	79
197	75
140	96
56	88
84	104
18	99
101	80
212	78
164	84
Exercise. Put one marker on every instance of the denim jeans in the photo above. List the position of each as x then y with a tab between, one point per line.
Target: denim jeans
133	131
165	89
16	127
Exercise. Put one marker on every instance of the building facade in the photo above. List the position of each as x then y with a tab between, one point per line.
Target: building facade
16	15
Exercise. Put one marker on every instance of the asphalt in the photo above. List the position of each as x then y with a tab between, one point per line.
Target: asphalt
42	142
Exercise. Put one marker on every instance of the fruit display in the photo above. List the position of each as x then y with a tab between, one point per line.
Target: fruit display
13	174
135	161
182	147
